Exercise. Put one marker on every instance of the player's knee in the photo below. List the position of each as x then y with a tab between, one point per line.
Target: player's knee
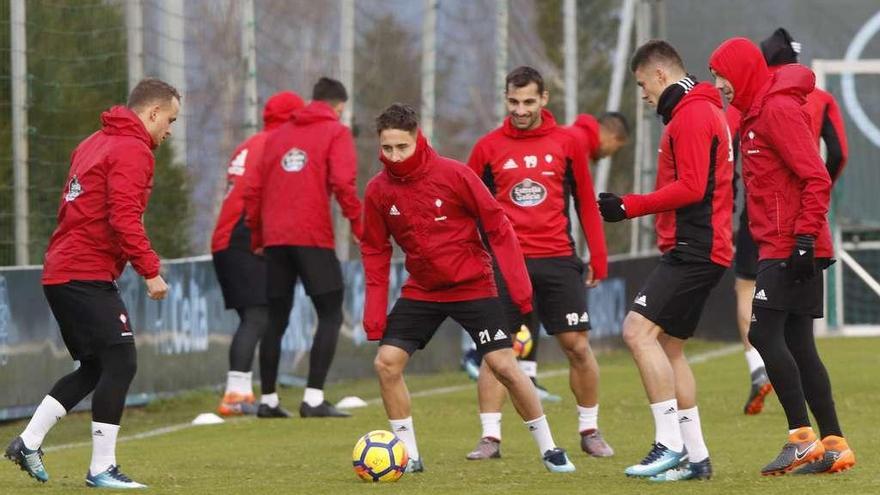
387	368
576	351
505	370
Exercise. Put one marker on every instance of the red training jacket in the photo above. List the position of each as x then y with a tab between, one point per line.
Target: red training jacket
532	174
100	220
693	196
787	185
304	161
431	206
826	123
244	166
586	130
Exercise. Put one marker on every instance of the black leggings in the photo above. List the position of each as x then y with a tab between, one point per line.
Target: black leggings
109	375
786	343
329	309
253	321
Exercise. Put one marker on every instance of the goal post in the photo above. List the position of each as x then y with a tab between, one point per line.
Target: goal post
852	303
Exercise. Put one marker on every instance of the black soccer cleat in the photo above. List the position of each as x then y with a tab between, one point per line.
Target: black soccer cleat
264	411
322	410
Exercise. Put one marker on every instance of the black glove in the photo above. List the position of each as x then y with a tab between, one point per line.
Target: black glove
611	207
802	263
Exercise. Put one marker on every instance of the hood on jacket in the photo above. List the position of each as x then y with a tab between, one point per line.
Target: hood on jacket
548	123
315	111
739	61
414	166
122	121
792	79
586	129
780	48
279	108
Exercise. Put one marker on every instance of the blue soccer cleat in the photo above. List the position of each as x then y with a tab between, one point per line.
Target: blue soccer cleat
470	363
557	461
658	460
687	471
111	478
30	461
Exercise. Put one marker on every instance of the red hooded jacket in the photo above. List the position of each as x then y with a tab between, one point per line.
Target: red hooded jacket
826	124
431	206
693	196
304	161
243	167
787	185
100	220
533	174
586	130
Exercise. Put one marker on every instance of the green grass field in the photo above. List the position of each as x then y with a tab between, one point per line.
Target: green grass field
314	456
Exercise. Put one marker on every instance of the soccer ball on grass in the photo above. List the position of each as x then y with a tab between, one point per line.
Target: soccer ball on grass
379	456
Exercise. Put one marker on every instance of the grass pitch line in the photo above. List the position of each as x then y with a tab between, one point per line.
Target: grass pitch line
695	359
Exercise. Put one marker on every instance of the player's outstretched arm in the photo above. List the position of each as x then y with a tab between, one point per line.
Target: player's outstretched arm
342	175
128	180
501	237
376	255
691	150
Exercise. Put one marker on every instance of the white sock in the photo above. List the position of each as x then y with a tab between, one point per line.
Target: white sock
239	382
540	429
692	434
666	429
404	430
313	396
753	357
270	400
103	447
588	418
47	414
491	425
530	368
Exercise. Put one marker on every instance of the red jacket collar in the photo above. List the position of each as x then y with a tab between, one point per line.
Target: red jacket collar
315	111
122	121
548	123
413	167
279	109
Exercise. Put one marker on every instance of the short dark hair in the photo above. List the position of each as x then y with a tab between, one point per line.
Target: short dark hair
397	116
149	91
522	76
655	51
616	123
329	90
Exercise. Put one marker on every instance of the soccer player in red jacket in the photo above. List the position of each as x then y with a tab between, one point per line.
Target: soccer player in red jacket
534	168
693	205
434	207
241	273
100	230
826	124
788	190
601	137
288	211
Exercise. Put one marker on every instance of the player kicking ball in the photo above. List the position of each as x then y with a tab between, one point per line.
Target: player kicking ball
693	204
433	207
101	229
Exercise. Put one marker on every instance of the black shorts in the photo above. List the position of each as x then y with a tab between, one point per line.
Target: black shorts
745	262
675	293
242	277
560	295
318	268
774	289
91	316
412	324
